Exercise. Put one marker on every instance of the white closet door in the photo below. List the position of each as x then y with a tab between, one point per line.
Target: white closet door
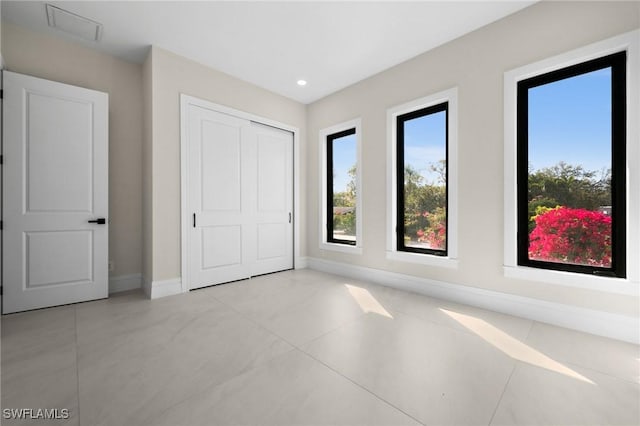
274	202
55	182
239	198
221	240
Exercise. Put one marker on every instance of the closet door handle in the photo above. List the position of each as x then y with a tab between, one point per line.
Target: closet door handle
289	217
194	220
99	221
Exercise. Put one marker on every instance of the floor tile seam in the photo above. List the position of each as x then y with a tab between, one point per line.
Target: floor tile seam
460	329
349	379
293	345
403	311
532	323
303	300
569	364
592	369
231	283
504	390
308	298
211	388
260	326
346	323
297	304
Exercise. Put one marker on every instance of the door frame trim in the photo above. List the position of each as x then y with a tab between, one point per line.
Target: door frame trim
185	217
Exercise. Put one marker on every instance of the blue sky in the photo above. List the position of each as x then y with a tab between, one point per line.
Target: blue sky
570	121
425	143
344	156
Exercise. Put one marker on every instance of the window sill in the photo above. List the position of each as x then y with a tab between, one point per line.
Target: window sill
423	259
342	248
572	279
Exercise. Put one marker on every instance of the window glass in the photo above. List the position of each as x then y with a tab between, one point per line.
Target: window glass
341	187
422	180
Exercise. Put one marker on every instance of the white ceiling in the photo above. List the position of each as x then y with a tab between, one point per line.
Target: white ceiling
273	44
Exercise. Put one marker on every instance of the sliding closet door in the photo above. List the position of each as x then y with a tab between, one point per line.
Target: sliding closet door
274	202
239	198
220	238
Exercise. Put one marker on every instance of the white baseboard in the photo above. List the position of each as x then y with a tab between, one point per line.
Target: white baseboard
605	324
302	262
157	289
125	283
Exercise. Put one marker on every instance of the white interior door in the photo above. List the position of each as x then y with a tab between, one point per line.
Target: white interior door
55	182
239	196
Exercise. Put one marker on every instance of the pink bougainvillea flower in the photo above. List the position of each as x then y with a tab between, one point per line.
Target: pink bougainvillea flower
569	235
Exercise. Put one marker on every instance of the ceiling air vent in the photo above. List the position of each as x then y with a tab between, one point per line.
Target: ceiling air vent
74	24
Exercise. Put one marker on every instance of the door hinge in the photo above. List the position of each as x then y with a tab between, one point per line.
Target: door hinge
1	290
1	94
1	225
1	159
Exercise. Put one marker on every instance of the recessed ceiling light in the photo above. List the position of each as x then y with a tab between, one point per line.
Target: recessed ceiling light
302	82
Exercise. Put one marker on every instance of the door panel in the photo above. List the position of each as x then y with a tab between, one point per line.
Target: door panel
47	265
272	173
55	179
271	243
59	163
214	254
220	166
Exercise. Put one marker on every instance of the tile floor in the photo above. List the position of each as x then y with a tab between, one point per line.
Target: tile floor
304	347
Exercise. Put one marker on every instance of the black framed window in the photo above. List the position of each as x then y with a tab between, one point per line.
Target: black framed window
341	187
571	146
422	172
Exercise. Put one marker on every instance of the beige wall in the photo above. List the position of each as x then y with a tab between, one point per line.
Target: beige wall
42	56
172	75
475	64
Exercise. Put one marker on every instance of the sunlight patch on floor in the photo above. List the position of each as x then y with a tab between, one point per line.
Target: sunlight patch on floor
366	301
511	346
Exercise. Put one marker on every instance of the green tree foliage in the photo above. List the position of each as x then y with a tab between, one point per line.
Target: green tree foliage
421	198
351	185
346	222
571	186
535	207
